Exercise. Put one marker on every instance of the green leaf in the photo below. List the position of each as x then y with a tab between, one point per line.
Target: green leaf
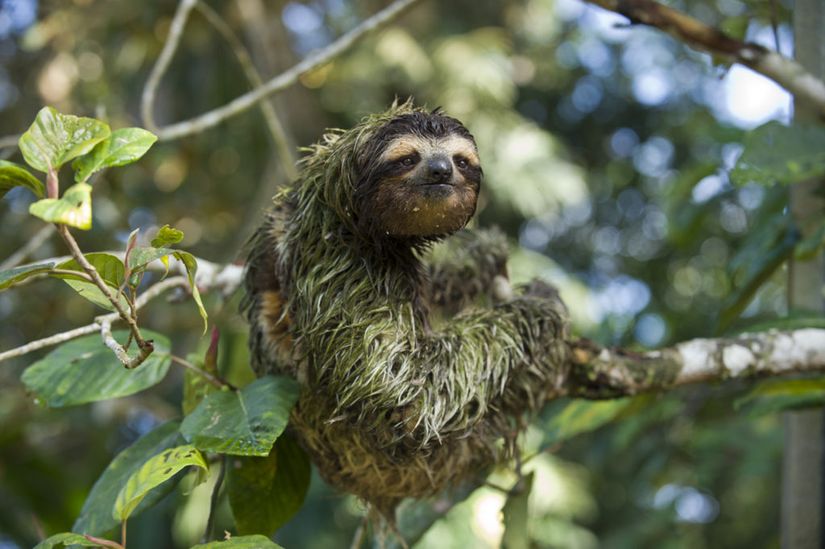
155	472
776	395
109	267
241	542
111	270
54	139
775	153
242	423
580	416
74	208
14	175
65	539
142	256
515	513
265	492
167	236
122	147
191	265
96	516
85	370
11	277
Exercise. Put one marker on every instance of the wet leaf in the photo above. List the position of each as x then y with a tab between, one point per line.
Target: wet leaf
265	492
85	370
74	208
245	422
151	474
122	147
10	277
96	516
14	175
54	138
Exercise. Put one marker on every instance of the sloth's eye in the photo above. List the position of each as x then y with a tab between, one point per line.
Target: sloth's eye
461	162
408	161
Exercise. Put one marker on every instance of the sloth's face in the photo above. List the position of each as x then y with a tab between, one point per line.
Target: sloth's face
424	179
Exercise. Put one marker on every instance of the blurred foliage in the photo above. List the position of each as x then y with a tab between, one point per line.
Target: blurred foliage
607	154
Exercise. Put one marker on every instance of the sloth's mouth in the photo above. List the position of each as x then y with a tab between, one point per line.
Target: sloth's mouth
438	183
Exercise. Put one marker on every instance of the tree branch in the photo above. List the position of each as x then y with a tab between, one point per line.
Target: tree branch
784	71
145	347
597	372
251	98
276	129
144	298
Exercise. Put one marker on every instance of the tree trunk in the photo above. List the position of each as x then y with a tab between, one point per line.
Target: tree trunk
803	473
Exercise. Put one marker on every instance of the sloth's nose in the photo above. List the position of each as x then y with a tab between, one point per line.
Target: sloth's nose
439	168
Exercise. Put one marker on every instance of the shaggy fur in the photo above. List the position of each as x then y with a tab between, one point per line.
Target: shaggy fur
400	396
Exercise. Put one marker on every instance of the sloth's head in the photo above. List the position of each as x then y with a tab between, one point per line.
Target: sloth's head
419	177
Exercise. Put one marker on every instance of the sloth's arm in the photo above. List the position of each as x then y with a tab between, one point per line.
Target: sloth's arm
412	388
464	268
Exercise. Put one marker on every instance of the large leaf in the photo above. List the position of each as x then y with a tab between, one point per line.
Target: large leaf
96	516
85	370
242	423
265	492
515	515
775	153
580	416
54	139
111	270
241	542
14	175
153	473
74	208
11	277
776	395
122	147
65	539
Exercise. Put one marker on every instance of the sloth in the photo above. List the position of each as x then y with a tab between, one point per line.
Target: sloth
417	362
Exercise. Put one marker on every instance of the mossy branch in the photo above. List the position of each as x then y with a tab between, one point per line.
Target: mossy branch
598	373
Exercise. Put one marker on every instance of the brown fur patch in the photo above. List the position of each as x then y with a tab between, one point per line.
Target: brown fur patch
406	211
275	320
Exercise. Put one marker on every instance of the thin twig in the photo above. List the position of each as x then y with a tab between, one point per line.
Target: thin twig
784	71
283	149
213	380
144	298
145	347
147	99
30	246
251	98
110	341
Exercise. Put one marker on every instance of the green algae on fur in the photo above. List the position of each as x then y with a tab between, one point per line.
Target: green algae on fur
393	405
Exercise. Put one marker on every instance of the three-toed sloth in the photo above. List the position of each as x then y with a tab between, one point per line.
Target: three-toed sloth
413	366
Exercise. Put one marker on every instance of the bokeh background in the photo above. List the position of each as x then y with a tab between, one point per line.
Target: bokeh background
606	152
